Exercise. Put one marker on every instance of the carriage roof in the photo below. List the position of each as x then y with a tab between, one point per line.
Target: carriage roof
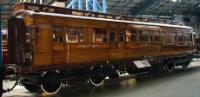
102	19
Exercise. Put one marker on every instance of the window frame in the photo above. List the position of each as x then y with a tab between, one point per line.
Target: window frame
77	35
123	37
178	39
151	36
169	39
106	36
132	33
163	37
159	36
116	33
187	37
64	41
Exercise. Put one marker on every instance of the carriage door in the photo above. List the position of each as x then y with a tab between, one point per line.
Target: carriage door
58	44
117	41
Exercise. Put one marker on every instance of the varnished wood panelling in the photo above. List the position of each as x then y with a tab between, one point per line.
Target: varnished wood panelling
28	20
59	53
47	52
87	53
43	38
41	59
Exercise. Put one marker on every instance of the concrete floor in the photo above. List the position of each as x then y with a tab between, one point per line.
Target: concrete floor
178	84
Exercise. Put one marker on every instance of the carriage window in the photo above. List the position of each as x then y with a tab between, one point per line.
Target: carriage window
121	36
157	36
117	36
186	36
190	37
101	35
150	36
131	36
180	36
58	34
172	37
143	35
74	35
112	36
163	36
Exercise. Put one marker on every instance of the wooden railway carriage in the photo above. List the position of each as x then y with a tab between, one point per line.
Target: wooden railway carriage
52	45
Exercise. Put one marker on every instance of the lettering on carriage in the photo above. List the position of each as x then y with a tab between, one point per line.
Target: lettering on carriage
87	46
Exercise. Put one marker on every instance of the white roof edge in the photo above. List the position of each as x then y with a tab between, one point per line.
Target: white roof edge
101	19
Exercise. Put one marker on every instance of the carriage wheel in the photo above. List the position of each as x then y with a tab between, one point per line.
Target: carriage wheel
97	76
96	81
10	78
169	67
50	82
30	86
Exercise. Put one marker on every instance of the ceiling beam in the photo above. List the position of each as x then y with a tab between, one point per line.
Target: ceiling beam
141	7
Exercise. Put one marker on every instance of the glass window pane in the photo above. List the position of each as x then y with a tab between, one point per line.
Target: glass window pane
190	37
101	35
121	36
186	36
131	35
58	34
157	36
171	37
74	35
143	35
180	36
150	36
163	36
112	37
117	36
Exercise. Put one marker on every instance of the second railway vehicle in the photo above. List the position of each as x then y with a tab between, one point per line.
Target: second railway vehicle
50	46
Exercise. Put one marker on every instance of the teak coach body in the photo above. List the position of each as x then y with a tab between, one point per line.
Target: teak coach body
70	45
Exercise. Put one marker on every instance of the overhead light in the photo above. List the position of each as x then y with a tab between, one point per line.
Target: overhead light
173	0
176	0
